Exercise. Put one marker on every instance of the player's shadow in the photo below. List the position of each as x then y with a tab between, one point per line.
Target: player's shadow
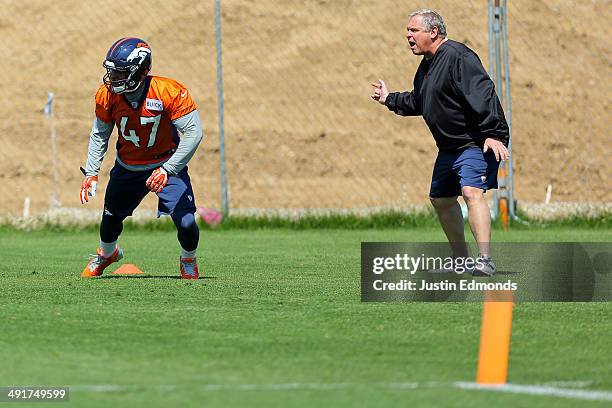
506	273
469	275
150	277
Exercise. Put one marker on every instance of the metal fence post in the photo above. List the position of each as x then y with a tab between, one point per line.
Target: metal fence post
508	111
503	201
224	199
495	208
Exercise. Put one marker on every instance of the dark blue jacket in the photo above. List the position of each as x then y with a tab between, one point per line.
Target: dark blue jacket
456	97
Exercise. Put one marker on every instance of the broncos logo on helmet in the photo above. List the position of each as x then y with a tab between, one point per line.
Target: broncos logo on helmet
127	63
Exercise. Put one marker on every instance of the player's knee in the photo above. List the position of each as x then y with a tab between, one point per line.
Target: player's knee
472	194
186	222
188	232
442	203
109	219
110	227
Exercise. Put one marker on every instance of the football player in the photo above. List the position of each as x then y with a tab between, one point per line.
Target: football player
149	112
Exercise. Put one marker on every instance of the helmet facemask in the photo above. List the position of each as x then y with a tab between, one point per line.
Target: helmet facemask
126	76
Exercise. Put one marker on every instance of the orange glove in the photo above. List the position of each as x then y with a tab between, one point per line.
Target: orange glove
88	188
157	180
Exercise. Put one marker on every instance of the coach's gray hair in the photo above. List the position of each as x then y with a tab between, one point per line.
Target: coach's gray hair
430	19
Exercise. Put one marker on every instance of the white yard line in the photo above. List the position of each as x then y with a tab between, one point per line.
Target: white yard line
578	384
546	390
551	389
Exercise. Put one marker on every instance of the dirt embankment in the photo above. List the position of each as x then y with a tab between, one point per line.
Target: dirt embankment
301	131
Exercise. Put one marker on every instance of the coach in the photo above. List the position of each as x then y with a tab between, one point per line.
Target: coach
457	99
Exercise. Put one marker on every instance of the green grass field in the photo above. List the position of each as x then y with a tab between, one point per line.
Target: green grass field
276	322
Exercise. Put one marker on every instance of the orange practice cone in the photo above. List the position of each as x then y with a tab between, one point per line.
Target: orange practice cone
495	337
128	269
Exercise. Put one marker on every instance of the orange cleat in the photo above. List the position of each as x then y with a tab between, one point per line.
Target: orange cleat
189	268
98	263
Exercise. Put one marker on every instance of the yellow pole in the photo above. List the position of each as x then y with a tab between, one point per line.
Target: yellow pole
503	200
503	211
495	337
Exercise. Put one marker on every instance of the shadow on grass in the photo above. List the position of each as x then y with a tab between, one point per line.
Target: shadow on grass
467	274
506	273
150	277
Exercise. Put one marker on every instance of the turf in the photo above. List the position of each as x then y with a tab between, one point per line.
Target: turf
276	322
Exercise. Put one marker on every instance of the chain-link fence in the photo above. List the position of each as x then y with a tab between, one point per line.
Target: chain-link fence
300	128
561	99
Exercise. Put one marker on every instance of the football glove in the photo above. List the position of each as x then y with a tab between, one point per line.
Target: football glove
88	188
157	180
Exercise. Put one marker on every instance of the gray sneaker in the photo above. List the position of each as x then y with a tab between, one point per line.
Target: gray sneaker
484	267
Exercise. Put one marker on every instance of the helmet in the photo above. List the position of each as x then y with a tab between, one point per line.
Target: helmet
127	63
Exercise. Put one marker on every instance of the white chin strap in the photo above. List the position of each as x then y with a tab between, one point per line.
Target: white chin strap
122	89
118	89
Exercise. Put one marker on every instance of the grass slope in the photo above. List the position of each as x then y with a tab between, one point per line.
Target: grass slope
276	307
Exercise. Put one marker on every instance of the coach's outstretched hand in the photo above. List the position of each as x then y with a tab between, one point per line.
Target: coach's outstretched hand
380	91
157	180
497	147
88	188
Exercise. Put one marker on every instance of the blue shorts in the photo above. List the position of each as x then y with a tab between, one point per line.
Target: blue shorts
126	189
466	168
